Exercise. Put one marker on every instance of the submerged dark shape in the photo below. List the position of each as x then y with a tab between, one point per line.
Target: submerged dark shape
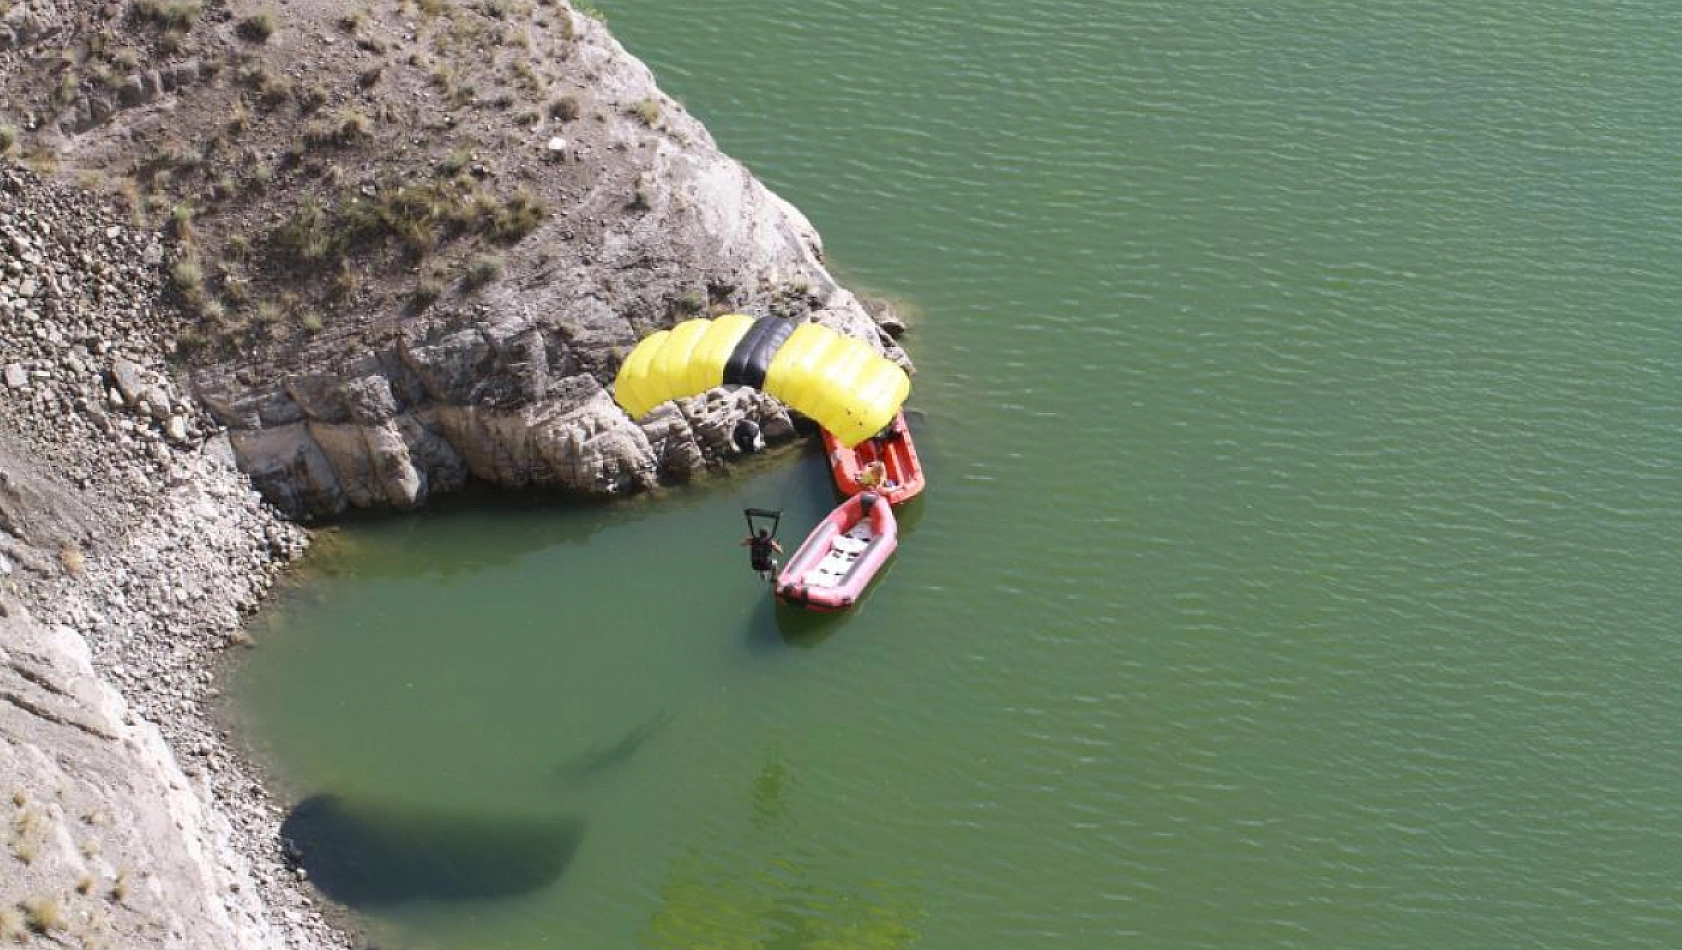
364	853
585	764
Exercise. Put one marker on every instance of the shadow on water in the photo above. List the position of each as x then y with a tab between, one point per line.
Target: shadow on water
800	628
775	626
364	854
592	761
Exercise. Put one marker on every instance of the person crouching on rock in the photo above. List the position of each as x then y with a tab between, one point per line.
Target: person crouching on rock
748	437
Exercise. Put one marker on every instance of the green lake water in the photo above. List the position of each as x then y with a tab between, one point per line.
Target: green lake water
1300	563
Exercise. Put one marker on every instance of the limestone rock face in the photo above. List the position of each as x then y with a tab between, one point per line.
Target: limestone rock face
515	389
316	444
110	829
105	823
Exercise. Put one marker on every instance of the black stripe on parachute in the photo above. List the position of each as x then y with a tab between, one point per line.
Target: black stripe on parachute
751	358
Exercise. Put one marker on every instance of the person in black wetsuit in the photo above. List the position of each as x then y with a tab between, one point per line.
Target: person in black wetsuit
762	551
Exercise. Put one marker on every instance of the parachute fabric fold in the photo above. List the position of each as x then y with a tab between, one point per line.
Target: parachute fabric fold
841	383
631	387
713	350
685	360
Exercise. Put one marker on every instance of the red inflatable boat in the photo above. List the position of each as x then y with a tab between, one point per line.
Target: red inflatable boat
901	473
840	557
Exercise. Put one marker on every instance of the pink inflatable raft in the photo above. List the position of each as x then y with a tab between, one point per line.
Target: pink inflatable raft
839	558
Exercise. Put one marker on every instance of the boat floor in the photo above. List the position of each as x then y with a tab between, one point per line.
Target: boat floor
844	549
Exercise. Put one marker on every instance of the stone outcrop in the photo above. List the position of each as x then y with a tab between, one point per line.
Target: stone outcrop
514	391
29	22
393	428
632	220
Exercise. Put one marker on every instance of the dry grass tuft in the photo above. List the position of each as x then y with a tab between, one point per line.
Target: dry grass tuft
43	915
72	558
425	293
481	269
346	126
647	111
188	275
181	223
68	85
306	235
256	28
564	109
170	14
272	90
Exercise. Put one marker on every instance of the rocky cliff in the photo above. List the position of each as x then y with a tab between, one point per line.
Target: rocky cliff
511	387
418	240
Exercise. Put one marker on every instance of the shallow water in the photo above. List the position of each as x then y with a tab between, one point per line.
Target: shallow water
1298	569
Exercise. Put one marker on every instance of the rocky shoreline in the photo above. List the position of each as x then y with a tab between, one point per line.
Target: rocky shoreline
131	552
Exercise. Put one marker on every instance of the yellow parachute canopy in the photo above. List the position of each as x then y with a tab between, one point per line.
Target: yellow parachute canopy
843	384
